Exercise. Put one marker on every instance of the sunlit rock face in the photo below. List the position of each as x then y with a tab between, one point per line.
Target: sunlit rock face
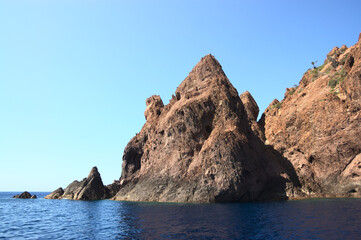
201	148
317	126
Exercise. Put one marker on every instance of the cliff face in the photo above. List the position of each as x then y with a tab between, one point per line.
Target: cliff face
201	148
317	126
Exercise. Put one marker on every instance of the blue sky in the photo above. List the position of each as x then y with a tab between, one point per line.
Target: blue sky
74	75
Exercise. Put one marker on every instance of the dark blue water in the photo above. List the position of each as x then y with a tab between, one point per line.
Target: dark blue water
67	219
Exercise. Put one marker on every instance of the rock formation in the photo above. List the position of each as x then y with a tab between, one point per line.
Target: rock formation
57	194
90	188
24	195
112	189
317	126
200	147
252	113
207	146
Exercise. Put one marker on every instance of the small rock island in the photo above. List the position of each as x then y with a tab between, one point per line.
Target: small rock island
25	195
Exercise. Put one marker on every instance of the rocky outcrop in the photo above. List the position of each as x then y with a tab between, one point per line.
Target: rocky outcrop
206	145
24	195
317	126
201	148
57	194
252	113
112	189
90	188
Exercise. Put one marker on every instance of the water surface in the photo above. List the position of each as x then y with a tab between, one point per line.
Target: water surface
105	219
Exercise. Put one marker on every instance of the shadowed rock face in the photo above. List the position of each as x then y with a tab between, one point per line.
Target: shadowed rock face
90	188
200	147
112	189
317	126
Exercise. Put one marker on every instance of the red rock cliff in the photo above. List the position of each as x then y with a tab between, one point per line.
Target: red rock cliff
200	147
317	126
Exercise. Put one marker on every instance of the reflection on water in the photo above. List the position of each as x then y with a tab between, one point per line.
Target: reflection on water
67	219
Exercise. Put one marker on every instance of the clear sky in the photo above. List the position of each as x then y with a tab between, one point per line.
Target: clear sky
74	75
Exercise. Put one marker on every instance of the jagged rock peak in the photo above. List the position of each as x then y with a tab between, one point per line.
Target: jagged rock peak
252	111
154	107
94	173
90	188
200	148
208	64
250	105
207	61
206	74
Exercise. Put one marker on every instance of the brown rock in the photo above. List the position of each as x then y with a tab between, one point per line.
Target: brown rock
334	53
57	194
317	127
201	148
90	188
112	189
154	107
23	195
207	146
250	105
252	113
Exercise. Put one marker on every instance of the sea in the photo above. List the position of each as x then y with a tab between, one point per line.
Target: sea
105	219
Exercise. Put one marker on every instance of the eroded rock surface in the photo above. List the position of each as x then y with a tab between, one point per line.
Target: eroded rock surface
317	126
200	147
